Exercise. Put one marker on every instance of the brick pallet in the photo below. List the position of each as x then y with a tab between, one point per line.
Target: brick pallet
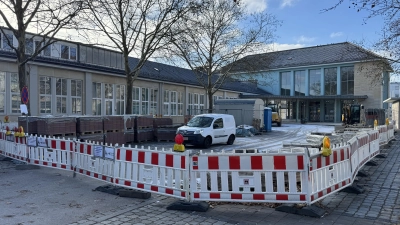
143	135
89	125
92	137
56	126
143	122
162	122
164	134
113	123
129	136
115	138
32	124
130	123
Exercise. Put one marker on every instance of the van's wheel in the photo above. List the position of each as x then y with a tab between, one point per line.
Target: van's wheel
231	139
207	142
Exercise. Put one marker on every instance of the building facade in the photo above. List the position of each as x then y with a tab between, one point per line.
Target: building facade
70	78
314	83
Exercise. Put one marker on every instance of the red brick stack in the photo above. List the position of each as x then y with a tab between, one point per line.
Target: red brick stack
143	129
90	128
129	129
163	129
56	126
32	124
114	130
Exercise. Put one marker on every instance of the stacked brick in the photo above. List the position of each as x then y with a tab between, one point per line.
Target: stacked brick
32	124
90	128
129	129
143	129
114	129
56	126
164	129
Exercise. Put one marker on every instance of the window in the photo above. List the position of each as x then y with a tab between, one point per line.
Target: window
72	52
47	51
15	94
136	100
29	46
216	98
153	101
96	95
285	83
201	103
330	81
68	52
299	83
61	95
120	99
76	96
45	95
174	103
347	80
218	124
196	103
180	103
2	91
315	82
145	101
109	97
166	103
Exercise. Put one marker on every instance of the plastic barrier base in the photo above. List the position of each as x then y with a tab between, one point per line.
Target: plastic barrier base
354	188
109	189
27	167
134	194
6	159
312	210
362	174
189	206
381	156
372	163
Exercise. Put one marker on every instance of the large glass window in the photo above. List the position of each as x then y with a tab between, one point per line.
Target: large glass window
61	95
174	103
136	100
2	92
145	101
300	83
120	99
76	96
315	82
29	46
329	111
96	96
166	104
180	103
285	83
347	80
68	52
196	103
45	95
330	81
153	101
15	93
109	98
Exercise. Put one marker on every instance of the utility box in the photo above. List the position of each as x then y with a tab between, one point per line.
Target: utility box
267	119
243	110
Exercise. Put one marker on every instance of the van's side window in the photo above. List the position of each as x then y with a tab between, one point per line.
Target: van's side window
218	124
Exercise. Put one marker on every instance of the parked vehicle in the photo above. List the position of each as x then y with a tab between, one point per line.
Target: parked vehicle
276	118
208	129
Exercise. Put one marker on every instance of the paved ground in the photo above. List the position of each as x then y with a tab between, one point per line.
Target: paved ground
50	196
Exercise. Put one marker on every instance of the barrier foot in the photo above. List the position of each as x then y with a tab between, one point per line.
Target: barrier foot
26	167
123	192
354	188
312	210
189	206
381	155
362	174
109	189
371	163
5	158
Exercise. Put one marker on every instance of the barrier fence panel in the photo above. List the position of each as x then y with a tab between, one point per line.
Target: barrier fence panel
161	172
390	131
51	152
330	174
249	177
90	161
354	161
363	149
383	137
373	143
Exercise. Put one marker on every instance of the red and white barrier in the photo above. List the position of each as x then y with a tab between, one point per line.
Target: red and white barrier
363	149
259	177
162	172
95	167
373	143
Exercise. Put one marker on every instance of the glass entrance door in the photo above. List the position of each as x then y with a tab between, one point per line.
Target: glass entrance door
314	115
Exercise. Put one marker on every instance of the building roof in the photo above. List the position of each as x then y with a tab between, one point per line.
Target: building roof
344	52
151	70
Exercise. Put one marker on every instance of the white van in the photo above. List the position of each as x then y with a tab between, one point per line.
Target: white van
208	129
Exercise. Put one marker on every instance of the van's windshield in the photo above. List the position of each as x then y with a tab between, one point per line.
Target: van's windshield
200	121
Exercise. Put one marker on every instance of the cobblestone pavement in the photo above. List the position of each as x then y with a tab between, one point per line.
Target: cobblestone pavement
379	204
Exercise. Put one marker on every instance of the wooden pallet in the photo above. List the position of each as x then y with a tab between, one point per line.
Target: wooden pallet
92	132
144	127
64	135
112	131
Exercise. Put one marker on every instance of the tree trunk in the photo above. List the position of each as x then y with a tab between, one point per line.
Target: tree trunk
210	101
129	82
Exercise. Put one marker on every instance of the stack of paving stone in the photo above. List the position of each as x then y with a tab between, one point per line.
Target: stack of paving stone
32	124
90	128
143	129
114	130
129	129
56	126
164	130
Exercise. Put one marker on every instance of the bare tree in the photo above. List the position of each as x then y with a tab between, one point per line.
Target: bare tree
213	39
46	17
134	27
